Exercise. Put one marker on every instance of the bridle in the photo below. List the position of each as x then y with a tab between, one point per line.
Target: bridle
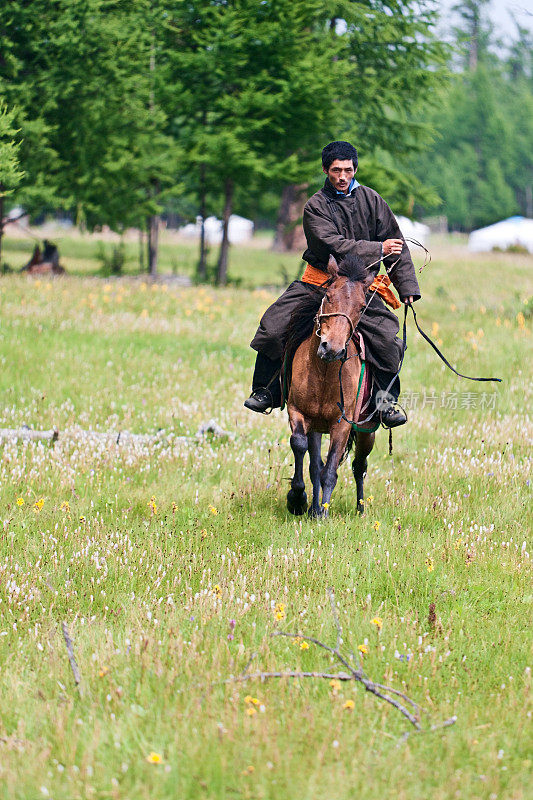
320	316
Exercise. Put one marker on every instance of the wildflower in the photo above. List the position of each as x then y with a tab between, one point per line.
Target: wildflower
378	622
82	520
335	686
325	505
20	501
249	770
174	507
349	705
304	645
279	611
232	624
213	510
376	525
203	534
217	590
38	505
521	320
152	505
458	544
363	649
297	640
370	498
65	506
251	711
154	758
103	672
430	566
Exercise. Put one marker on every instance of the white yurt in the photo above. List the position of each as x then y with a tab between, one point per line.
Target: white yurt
413	230
504	234
240	229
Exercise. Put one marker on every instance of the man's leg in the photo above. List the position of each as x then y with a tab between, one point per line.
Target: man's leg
269	341
379	327
266	388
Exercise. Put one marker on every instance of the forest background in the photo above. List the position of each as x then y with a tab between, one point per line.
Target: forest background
120	113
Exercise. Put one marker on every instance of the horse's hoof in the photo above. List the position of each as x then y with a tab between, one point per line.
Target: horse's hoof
315	513
296	502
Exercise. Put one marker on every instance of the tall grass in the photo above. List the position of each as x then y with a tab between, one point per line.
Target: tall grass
167	557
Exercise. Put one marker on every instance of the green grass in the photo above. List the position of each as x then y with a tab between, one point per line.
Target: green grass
148	596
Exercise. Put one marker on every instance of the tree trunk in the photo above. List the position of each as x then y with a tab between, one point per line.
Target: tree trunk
201	271
222	266
289	232
153	242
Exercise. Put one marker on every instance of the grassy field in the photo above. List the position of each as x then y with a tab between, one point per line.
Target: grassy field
173	560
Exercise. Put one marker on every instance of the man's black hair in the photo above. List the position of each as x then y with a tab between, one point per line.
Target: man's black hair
341	150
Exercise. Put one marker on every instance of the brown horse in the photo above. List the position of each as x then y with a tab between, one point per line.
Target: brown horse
314	392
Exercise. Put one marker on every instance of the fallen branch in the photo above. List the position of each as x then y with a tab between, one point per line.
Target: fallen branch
118	437
71	656
385	693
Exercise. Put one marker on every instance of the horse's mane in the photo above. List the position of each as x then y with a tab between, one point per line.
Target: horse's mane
353	268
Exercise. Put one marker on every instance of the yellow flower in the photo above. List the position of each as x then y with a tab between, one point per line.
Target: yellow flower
430	566
217	590
325	505
370	498
20	501
297	640
458	544
304	645
203	534
378	622
335	686
521	320
213	510
349	705
249	770
82	520
65	506
362	649
251	711
152	505
280	615
154	758
102	672
376	525
279	611
38	504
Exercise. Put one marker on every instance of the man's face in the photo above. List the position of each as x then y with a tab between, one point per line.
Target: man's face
340	174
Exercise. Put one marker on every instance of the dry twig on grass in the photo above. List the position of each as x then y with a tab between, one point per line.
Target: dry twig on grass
71	656
385	693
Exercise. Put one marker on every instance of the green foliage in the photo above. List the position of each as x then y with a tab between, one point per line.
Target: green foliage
481	163
10	173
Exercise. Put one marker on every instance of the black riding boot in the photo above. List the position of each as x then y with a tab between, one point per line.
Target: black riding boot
386	399
266	389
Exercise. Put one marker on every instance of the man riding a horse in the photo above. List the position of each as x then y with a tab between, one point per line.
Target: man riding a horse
343	219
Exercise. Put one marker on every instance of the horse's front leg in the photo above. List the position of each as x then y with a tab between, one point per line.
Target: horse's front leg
363	446
337	442
315	469
296	497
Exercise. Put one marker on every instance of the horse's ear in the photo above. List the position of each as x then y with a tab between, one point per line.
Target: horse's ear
333	267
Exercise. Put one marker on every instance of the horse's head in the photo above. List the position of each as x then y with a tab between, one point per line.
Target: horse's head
342	306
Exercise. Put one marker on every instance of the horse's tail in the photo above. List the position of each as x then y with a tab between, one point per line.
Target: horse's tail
349	444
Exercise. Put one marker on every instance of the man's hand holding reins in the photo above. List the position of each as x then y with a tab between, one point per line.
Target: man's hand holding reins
392	247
